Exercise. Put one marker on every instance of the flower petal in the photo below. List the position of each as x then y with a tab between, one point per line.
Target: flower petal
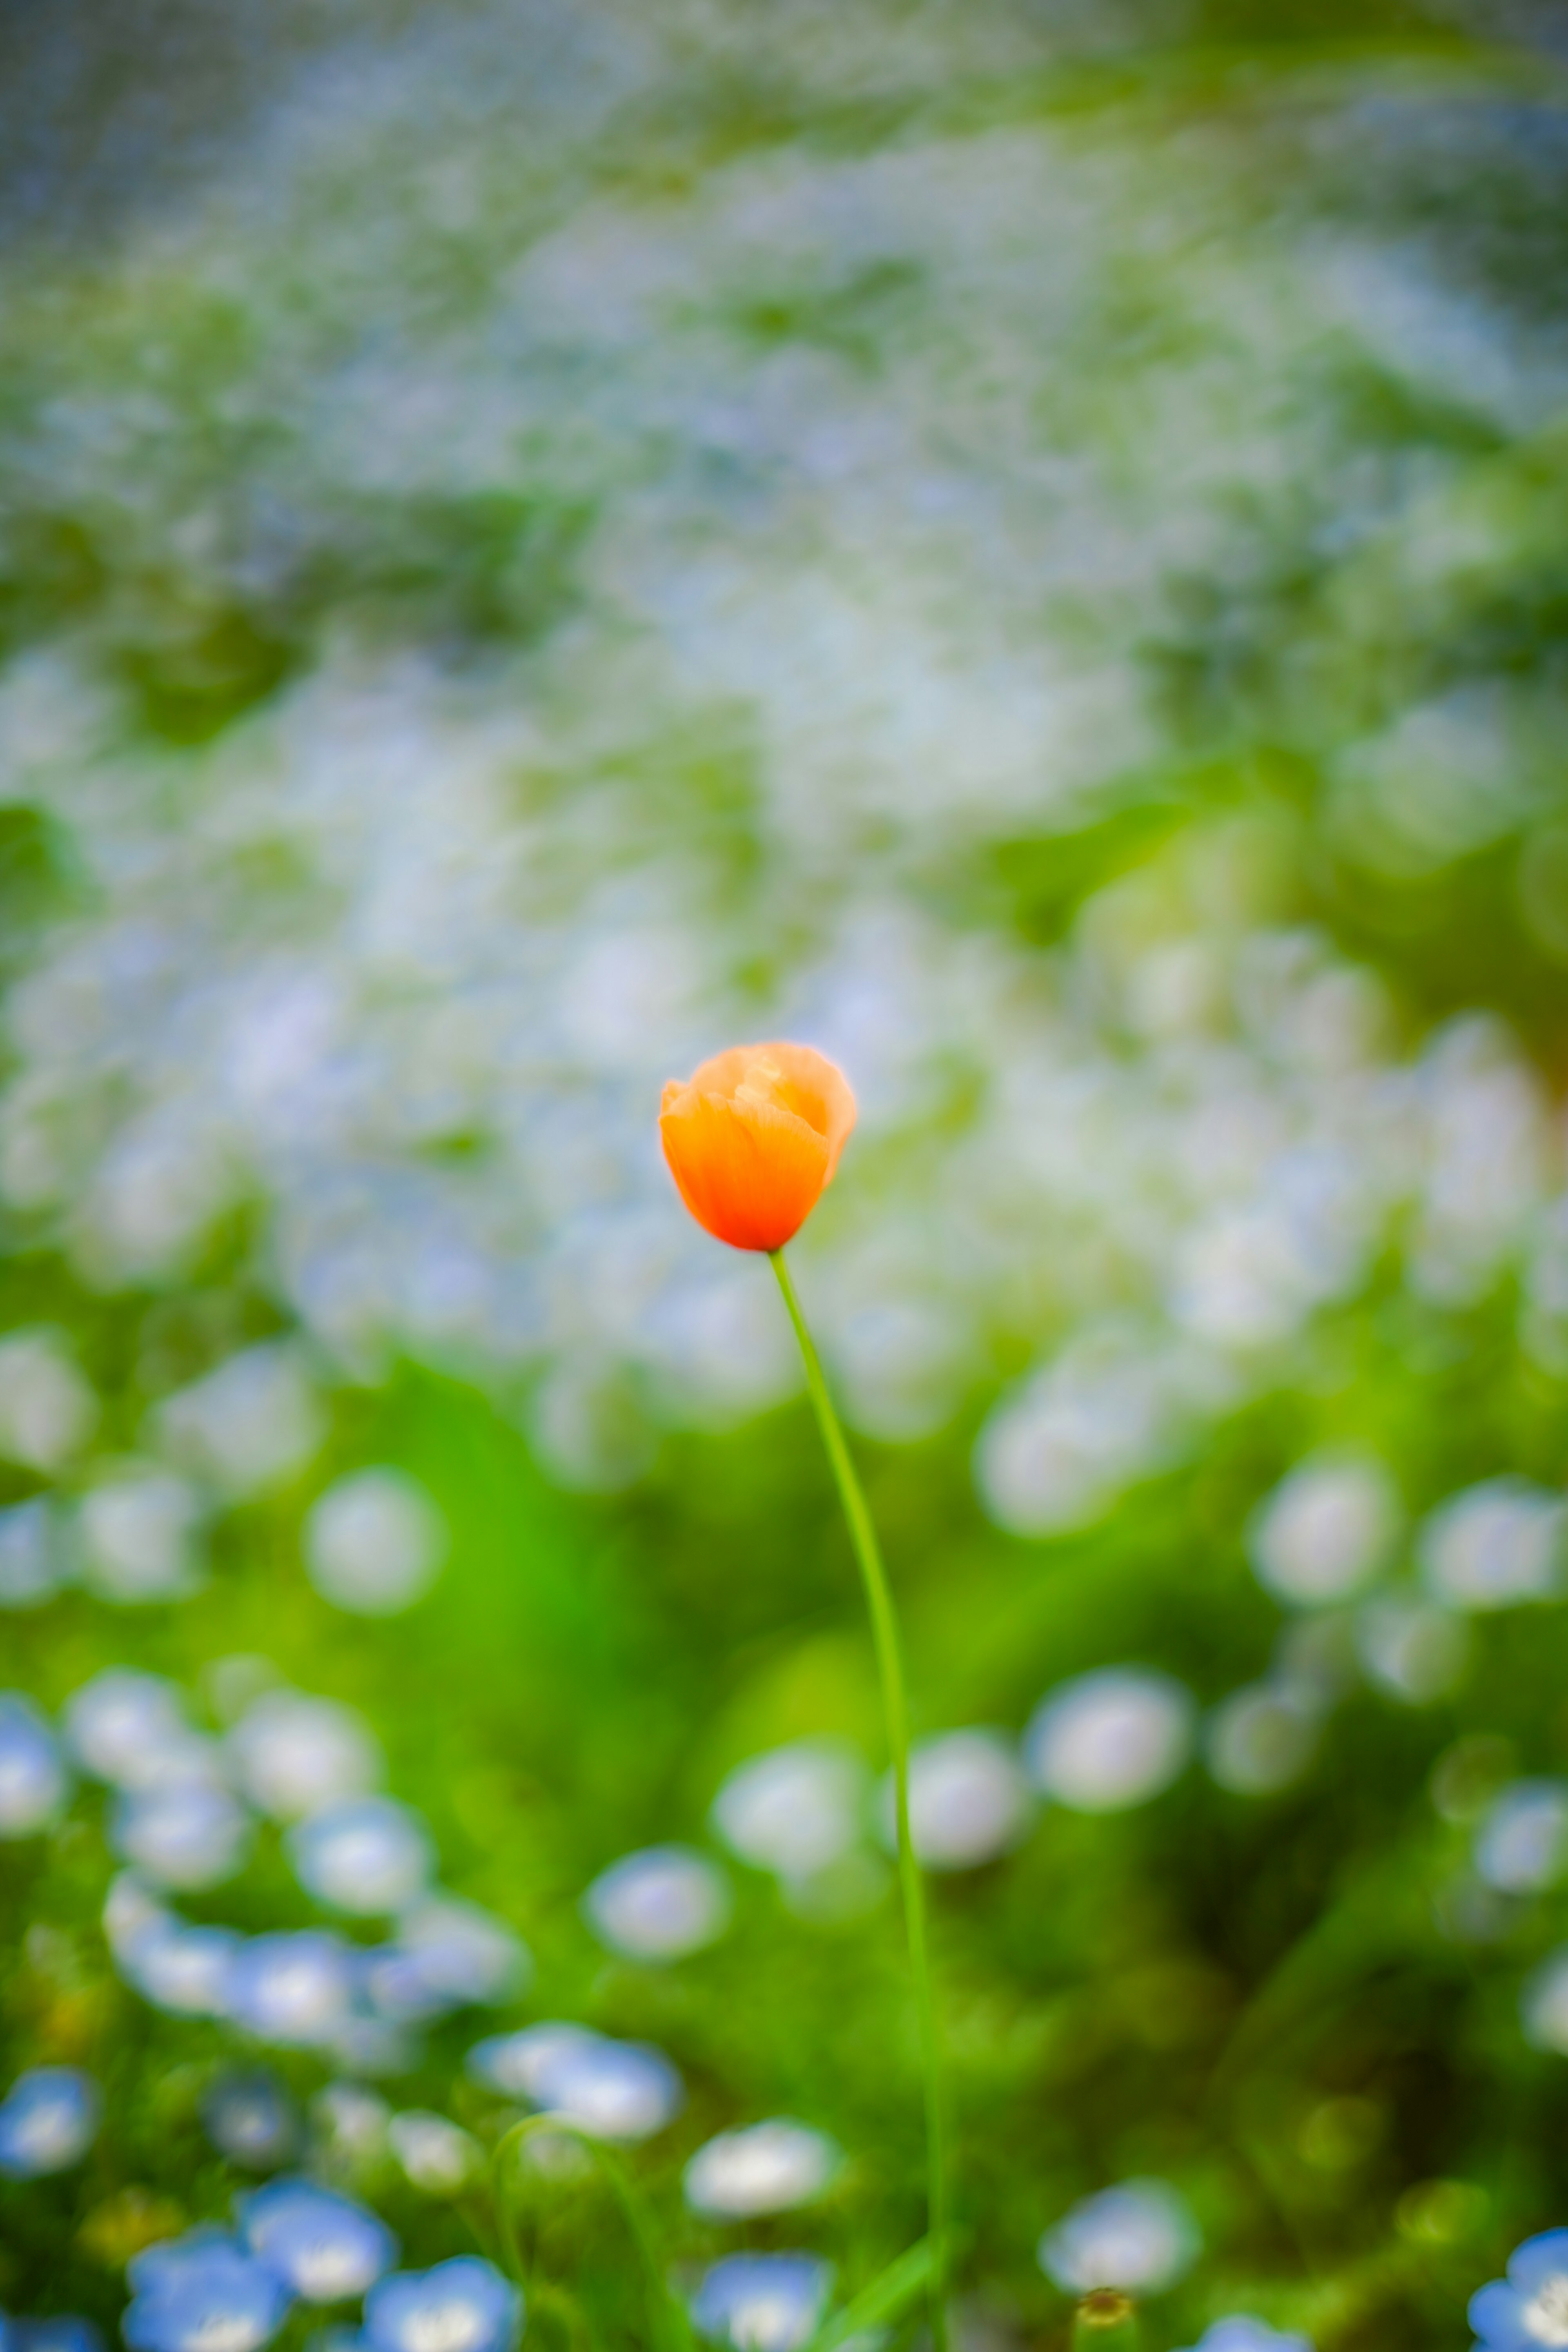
798	1077
1537	2258
1496	2313
750	1174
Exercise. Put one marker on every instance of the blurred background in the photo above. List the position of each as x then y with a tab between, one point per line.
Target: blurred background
1022	543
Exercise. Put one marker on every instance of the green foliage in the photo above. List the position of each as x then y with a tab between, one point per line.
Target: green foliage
1277	2001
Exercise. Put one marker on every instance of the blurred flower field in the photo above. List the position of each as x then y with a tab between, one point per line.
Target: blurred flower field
1023	546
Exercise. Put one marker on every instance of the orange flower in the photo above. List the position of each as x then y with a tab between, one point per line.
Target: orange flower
752	1137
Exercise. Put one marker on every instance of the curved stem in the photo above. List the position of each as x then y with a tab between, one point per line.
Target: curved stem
896	1714
671	2323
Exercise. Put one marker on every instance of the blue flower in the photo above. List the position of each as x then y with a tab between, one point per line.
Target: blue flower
186	1969
64	2333
49	2120
185	1832
1529	2309
1242	2333
463	2306
249	2117
367	1854
293	1987
660	1904
761	2302
202	2292
613	2090
33	1782
398	1988
323	2246
464	1953
1138	2236
34	1560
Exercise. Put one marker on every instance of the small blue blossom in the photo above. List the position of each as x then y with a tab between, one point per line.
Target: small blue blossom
34	1560
1529	2309
63	2333
398	1988
435	2154
184	1969
462	2305
1138	2236
322	2245
131	1728
49	2120
202	2292
293	1989
33	1779
1242	2333
185	1832
293	1754
763	2167
367	1854
658	1904
761	2302
612	2090
464	1953
249	2117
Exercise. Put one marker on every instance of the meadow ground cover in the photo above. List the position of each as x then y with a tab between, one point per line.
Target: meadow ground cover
1023	547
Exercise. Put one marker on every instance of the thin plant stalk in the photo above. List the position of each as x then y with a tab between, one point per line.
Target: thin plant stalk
896	1715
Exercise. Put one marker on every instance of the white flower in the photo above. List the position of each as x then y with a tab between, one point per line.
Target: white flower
374	1542
658	1904
46	1409
293	1754
352	2121
187	1970
767	2168
1140	2236
131	1728
462	1952
365	1855
1110	1738
437	2155
1522	1842
612	2090
969	1800
182	1832
794	1810
250	1424
1326	1529
1494	1546
137	1532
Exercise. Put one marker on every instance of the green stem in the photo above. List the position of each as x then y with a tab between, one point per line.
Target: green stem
896	1714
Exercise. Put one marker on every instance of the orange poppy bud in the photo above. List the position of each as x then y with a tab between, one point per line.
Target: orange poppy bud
752	1137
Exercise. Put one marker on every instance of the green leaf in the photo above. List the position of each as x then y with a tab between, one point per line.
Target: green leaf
892	2291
